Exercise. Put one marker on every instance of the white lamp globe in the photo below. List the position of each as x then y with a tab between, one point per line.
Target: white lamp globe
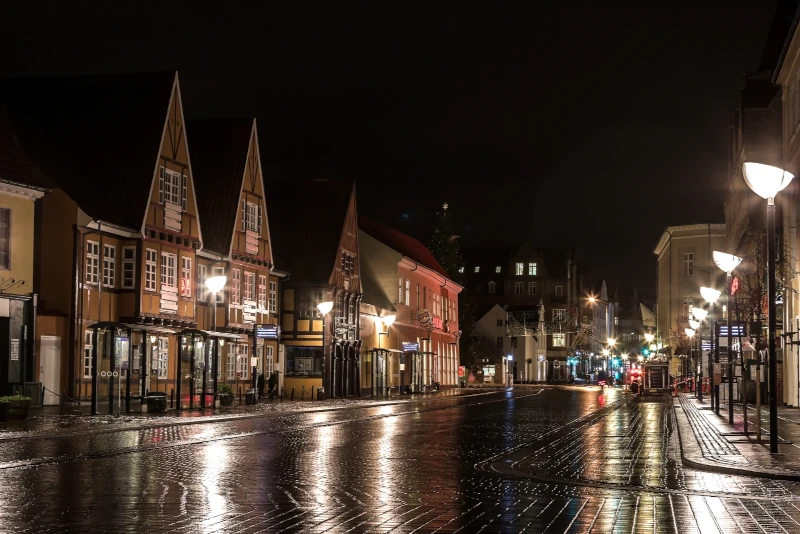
611	341
325	307
765	180
689	332
726	262
699	313
216	283
694	324
389	320
709	294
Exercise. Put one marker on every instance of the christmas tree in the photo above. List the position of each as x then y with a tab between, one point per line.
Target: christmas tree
444	245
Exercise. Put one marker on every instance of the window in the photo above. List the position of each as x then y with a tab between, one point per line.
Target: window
242	361
518	288
399	290
186	276
499	322
88	343
269	360
461	270
514	342
559	340
559	291
231	362
201	281
531	288
92	261
499	342
303	361
520	269
262	292
688	264
309	301
249	285
160	360
236	286
348	264
150	270
273	297
251	217
417	296
559	314
172	187
5	238
492	287
616	321
477	268
168	269
109	265
532	269
688	304
498	268
128	267
219	271
408	291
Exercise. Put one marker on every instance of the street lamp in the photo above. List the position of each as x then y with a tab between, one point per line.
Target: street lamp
700	314
388	321
728	262
766	181
324	309
214	285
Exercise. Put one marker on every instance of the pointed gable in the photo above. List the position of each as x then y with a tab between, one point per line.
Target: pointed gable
96	137
220	149
307	219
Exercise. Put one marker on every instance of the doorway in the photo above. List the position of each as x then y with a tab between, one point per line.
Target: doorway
50	369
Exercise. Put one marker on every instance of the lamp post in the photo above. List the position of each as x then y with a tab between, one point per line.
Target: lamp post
324	309
766	181
690	334
711	296
215	285
728	262
694	325
700	314
611	342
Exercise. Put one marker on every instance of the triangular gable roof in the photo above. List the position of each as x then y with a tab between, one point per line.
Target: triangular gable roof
307	219
96	137
402	243
219	150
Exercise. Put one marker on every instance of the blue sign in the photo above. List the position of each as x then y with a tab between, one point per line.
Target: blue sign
410	346
268	331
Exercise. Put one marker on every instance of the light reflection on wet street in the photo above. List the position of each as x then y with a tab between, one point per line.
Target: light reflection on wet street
533	460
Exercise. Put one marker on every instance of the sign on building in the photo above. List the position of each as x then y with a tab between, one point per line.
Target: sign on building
268	331
410	346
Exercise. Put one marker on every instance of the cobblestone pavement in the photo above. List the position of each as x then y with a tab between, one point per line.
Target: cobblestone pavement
533	460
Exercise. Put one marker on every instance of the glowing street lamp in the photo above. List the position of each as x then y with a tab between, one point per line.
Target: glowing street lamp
709	294
649	337
215	284
325	307
766	181
728	262
699	313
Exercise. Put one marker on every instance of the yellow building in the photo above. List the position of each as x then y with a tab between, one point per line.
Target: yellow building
236	244
119	236
20	188
315	238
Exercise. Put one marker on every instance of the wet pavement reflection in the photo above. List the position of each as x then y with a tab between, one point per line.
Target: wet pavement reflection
532	460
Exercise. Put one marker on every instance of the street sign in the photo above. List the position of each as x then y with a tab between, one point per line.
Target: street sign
268	331
738	328
410	346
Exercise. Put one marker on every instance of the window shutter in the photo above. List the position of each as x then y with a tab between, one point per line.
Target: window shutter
244	215
259	219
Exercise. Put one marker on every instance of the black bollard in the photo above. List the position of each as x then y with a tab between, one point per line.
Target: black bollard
171	397
292	397
240	396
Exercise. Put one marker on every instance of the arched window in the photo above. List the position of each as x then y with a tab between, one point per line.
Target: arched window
492	287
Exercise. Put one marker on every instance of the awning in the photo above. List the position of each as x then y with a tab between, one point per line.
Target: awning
149	328
226	335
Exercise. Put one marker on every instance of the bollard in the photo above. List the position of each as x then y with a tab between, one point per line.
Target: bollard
303	392
292	397
240	395
312	393
171	397
282	392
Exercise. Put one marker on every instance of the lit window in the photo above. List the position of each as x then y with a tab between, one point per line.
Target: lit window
186	276
498	268
160	360
109	265
408	291
88	343
201	281
262	292
236	285
532	269
520	269
559	340
477	268
92	261
150	270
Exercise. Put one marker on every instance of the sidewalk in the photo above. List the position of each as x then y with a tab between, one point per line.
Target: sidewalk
710	443
70	419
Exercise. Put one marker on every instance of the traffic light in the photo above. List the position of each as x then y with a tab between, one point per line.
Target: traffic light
645	351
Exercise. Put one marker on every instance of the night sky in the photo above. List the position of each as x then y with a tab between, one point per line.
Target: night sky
590	126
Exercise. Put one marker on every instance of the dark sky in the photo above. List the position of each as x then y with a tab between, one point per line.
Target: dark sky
594	126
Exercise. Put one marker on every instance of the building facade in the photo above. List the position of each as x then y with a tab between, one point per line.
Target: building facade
418	348
315	238
237	245
521	279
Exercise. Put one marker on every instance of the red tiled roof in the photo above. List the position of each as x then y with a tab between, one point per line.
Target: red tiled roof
402	243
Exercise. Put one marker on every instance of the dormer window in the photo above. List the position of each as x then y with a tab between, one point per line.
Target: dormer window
172	187
251	217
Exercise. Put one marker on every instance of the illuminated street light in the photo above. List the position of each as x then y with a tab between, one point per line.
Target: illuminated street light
710	294
766	181
611	341
699	313
649	337
694	324
388	320
215	284
726	262
325	307
689	332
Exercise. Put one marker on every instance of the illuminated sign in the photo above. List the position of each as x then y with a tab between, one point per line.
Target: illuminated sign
410	346
424	316
738	328
268	331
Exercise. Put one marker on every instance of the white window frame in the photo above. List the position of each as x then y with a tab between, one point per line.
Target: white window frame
249	285
242	361
531	288
160	359
169	263
559	340
236	286
262	292
408	292
172	187
202	272
92	262
559	291
559	314
519	288
88	340
269	360
128	267
150	269
230	363
399	290
532	269
273	296
251	219
688	264
186	276
520	268
109	265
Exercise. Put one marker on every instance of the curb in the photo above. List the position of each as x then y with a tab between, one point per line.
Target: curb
720	469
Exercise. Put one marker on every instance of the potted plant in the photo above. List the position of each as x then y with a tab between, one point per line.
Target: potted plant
14	407
225	393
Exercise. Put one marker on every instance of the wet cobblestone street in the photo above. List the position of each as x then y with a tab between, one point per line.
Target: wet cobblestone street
531	460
